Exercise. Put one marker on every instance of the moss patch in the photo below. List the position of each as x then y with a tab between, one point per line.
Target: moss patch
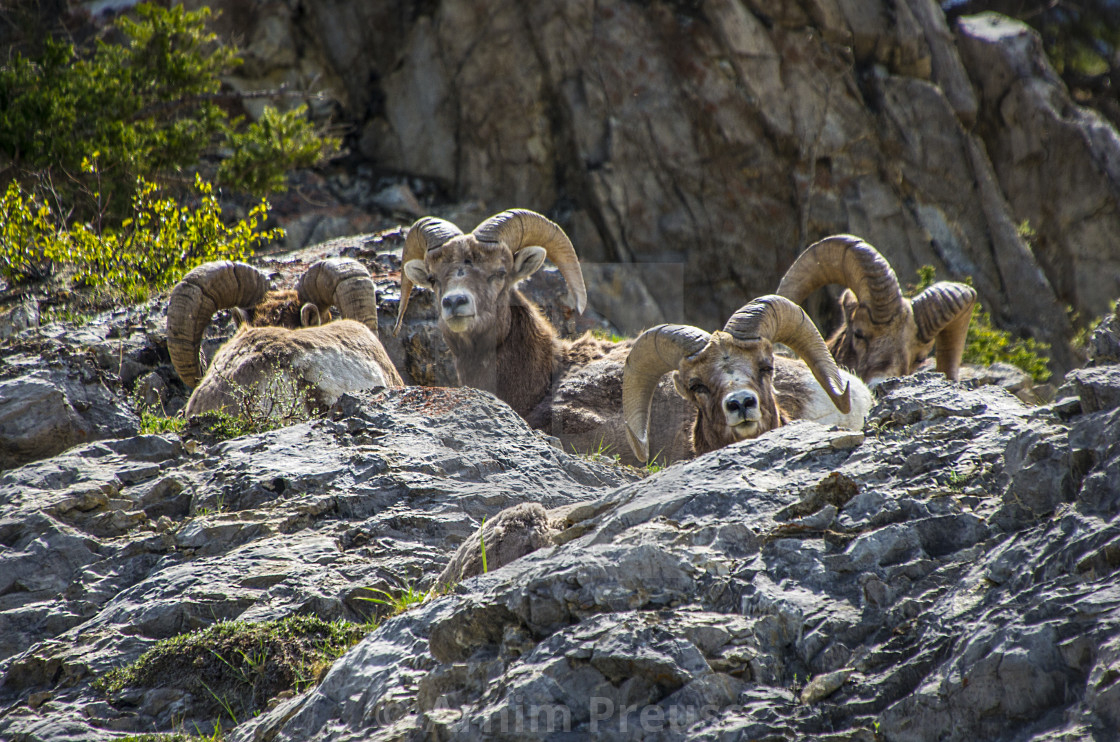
233	668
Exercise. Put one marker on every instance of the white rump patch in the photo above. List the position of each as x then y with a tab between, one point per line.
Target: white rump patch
819	407
334	371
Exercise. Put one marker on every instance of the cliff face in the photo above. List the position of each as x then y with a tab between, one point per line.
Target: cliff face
728	135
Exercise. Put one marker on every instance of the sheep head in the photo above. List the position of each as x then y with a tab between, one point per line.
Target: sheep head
210	287
883	333
726	375
473	274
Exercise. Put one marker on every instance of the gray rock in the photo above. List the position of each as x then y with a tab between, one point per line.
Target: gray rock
1104	343
15	320
47	411
1096	387
1058	163
777	586
119	543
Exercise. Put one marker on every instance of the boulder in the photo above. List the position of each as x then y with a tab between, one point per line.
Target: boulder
47	411
702	602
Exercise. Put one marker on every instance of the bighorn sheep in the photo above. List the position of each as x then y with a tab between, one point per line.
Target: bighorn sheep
736	384
883	333
501	341
280	337
508	536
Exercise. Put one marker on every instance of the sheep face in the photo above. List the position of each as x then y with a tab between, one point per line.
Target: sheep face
883	333
877	351
472	281
730	382
738	387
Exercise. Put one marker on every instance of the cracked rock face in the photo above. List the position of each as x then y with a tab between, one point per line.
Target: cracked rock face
114	545
949	577
948	574
724	137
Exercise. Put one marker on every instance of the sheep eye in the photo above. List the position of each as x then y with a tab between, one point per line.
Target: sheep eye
697	388
859	334
499	276
766	370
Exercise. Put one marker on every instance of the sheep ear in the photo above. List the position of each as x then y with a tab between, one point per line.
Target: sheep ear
679	385
417	272
528	261
240	316
848	304
309	315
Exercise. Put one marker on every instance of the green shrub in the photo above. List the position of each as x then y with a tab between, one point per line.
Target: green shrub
151	106
986	344
154	422
152	248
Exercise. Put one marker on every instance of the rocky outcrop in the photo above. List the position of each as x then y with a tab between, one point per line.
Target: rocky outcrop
948	573
723	137
1058	163
1104	342
114	545
791	586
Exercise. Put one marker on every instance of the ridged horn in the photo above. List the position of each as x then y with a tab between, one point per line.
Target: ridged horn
425	234
343	282
520	228
656	352
195	299
779	320
943	311
851	262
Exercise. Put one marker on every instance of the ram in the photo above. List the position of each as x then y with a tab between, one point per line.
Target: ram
502	343
882	333
737	386
281	342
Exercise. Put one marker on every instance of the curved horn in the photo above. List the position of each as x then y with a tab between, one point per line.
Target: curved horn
425	234
195	299
779	320
851	262
943	311
519	228
343	282
656	352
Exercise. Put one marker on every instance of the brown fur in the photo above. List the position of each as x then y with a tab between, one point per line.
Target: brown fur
569	388
510	535
875	351
510	349
704	379
517	367
279	308
583	409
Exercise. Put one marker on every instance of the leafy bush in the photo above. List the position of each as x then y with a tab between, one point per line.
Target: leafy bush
986	344
153	247
151	106
152	422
